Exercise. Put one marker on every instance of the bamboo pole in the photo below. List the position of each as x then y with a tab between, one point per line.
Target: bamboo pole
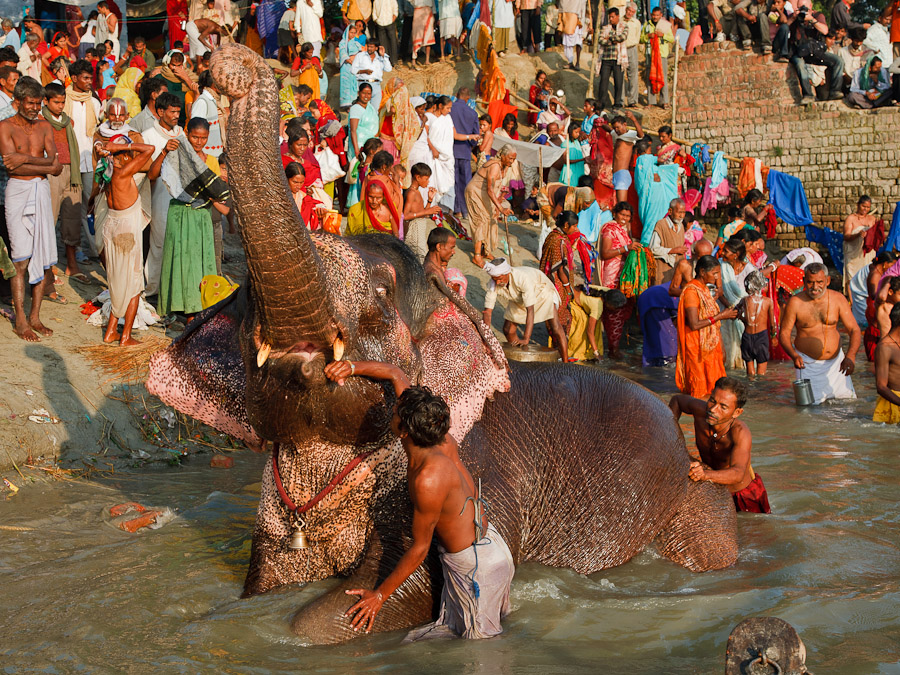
675	85
485	103
595	48
531	106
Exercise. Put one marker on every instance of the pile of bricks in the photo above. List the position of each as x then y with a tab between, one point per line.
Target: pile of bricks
745	105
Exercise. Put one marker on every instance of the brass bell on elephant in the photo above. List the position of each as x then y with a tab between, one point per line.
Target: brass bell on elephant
298	541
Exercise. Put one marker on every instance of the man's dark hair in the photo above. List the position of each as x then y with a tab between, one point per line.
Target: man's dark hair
197	123
103	4
894	284
424	416
177	58
895	316
54	89
642	147
437	237
736	387
8	54
167	100
27	87
814	268
618	119
857	34
80	67
737	246
382	160
305	89
420	169
58	62
150	87
139	38
612	10
705	264
6	71
623	206
614	298
486	118
585	181
464	92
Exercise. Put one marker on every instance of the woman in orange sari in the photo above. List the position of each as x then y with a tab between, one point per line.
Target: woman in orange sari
701	360
307	68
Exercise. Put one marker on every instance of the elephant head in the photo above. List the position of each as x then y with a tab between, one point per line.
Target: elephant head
312	297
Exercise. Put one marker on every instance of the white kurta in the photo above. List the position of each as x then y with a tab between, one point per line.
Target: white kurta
307	24
527	287
157	137
504	14
440	133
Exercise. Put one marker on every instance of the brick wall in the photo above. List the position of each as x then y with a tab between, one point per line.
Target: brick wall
744	104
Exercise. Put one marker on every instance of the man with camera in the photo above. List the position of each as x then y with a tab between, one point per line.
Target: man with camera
808	47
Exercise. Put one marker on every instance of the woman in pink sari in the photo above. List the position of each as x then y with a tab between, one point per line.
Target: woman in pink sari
615	244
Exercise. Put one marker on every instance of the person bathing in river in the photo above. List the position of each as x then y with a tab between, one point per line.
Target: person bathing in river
477	564
816	350
757	312
724	443
887	373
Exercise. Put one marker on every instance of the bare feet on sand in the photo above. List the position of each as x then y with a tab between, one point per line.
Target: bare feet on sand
40	328
129	342
26	333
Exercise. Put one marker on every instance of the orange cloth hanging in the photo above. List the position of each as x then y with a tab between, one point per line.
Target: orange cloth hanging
657	76
747	178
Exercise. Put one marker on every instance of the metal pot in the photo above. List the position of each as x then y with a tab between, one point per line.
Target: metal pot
803	393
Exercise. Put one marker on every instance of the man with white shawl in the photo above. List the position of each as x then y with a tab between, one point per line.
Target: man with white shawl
440	139
29	154
308	25
816	350
447	503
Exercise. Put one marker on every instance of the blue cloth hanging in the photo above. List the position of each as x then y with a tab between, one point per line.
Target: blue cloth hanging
787	195
830	239
719	170
700	153
892	243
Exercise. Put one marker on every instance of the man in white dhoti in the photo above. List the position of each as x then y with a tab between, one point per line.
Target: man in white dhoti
816	349
575	23
123	235
478	566
530	298
162	136
441	135
29	153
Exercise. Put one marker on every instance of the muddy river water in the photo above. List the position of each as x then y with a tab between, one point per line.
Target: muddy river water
80	596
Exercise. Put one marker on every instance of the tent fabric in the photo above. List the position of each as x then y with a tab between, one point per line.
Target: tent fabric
529	153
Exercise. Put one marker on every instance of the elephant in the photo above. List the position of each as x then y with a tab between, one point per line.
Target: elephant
580	468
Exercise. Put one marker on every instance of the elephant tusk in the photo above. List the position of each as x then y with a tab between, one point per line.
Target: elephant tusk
338	348
262	354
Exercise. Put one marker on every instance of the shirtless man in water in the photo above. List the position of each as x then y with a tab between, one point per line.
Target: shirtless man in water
29	154
684	270
444	499
724	443
624	140
816	350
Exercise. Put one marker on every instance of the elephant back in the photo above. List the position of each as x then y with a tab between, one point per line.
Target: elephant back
580	468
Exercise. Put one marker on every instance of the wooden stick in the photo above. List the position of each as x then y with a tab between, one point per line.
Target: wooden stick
531	106
675	85
485	103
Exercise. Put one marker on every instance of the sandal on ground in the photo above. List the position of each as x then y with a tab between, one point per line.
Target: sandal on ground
81	278
59	299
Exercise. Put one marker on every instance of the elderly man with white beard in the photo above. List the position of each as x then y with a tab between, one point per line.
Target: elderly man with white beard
667	242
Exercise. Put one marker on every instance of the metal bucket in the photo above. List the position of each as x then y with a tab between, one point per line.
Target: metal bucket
803	393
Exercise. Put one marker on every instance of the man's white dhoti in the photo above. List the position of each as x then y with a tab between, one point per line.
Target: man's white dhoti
123	242
826	378
29	218
470	611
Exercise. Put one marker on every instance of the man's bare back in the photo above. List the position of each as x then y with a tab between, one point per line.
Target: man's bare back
759	314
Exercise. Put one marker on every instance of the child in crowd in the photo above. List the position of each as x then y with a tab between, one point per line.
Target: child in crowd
530	206
757	312
551	18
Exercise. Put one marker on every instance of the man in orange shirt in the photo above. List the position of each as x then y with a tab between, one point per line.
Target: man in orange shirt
701	361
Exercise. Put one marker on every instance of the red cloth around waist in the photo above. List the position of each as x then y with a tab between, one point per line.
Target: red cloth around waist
753	498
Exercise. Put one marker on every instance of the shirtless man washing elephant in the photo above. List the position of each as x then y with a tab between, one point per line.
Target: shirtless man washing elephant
816	349
478	567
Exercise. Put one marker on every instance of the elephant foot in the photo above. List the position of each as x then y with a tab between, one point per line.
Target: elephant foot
702	535
415	603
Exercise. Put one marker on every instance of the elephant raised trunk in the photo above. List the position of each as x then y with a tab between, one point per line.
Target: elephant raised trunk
295	309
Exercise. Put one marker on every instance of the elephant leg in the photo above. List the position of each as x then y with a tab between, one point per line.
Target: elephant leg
702	535
413	604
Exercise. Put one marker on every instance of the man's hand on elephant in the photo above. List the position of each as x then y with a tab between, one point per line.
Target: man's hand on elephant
365	610
696	472
338	371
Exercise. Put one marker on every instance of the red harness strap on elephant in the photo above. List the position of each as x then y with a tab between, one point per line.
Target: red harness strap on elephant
323	492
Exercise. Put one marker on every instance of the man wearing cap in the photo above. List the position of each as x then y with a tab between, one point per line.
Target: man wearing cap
530	298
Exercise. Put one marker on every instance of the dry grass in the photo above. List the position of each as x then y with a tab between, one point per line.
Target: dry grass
125	364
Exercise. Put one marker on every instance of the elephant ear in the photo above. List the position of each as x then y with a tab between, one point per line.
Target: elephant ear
461	359
201	373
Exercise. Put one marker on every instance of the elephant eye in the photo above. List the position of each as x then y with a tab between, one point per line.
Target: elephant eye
381	291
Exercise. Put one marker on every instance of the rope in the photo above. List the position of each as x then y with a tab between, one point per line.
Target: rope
322	493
